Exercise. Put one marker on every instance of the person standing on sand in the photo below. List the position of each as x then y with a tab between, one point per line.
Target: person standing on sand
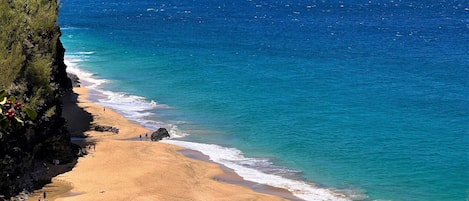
140	137
44	194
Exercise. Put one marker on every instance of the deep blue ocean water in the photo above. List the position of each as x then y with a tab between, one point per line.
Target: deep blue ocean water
365	98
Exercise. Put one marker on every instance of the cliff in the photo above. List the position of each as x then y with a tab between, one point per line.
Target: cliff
32	71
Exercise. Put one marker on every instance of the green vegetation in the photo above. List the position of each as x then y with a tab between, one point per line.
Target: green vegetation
13	113
32	129
28	37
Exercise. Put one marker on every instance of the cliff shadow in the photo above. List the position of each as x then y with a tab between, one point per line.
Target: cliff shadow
78	120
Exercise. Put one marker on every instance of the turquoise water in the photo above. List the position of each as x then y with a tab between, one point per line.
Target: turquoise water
369	99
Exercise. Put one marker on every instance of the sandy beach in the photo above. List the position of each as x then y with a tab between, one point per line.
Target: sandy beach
121	169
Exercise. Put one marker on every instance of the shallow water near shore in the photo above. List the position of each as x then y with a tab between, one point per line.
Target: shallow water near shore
365	98
231	177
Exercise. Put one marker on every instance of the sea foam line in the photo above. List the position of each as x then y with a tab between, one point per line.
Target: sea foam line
234	158
135	108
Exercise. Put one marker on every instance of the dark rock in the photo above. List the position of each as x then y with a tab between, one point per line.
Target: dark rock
58	72
75	80
106	129
159	134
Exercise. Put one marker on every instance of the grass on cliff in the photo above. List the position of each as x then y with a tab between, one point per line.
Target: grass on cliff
28	33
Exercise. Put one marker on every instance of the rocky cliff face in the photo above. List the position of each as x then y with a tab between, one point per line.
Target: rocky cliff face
33	71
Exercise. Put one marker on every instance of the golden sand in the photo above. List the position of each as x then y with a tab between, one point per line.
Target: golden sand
122	169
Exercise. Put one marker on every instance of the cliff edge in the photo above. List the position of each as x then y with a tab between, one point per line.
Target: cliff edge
33	72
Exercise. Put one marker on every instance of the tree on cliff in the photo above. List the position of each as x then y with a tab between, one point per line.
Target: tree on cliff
32	71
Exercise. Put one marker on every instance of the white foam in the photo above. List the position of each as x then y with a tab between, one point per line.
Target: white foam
72	63
128	103
69	28
136	108
174	132
234	159
86	53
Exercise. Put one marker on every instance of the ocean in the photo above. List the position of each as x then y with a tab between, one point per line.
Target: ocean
369	99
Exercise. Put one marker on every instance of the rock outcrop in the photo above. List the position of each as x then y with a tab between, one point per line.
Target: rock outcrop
106	129
160	134
75	80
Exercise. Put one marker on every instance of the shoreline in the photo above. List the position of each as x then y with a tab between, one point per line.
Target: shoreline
122	169
230	176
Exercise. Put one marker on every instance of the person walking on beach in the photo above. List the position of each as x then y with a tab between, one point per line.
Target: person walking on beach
140	137
44	195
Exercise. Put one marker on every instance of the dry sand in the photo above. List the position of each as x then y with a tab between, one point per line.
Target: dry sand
122	169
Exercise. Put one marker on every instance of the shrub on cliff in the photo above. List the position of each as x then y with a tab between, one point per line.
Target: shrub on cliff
13	114
32	70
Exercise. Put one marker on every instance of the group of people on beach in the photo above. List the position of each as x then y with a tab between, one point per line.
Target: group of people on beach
146	136
44	196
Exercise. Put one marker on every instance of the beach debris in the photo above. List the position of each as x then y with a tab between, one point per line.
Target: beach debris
160	134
